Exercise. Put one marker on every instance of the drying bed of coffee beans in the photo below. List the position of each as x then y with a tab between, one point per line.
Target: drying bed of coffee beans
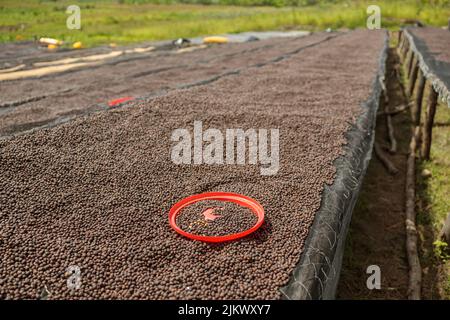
55	98
215	218
437	41
433	45
95	192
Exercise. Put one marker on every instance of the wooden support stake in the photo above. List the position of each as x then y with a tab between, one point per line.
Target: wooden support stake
394	111
392	140
389	125
384	160
406	46
413	76
417	110
401	48
404	53
401	42
428	123
409	63
415	270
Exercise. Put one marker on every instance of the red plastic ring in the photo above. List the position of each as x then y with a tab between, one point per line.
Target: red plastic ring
244	201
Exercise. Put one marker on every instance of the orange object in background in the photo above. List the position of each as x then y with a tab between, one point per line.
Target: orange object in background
215	39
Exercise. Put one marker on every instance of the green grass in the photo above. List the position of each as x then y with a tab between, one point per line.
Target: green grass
447	287
127	21
438	186
435	192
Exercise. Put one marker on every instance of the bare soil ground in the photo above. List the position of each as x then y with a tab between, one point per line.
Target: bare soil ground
377	231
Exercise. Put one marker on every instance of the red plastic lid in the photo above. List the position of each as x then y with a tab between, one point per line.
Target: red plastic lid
244	201
114	102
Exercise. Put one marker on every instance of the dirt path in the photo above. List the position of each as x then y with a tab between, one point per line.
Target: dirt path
377	231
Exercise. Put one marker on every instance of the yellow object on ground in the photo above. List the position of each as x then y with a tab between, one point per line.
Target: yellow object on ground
50	41
77	45
215	39
52	47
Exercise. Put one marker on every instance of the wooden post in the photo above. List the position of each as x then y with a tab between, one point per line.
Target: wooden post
395	110
405	49
415	270
417	109
389	125
413	76
400	39
391	134
384	159
400	48
428	123
406	62
409	63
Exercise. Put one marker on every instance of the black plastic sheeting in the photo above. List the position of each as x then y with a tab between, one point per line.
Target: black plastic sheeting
317	274
438	72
